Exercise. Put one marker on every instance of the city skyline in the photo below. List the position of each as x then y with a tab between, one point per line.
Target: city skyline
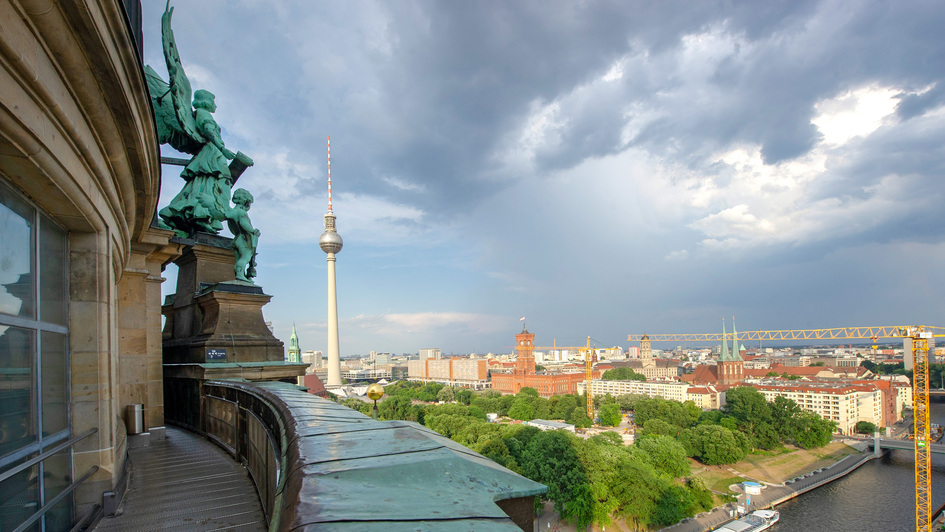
600	169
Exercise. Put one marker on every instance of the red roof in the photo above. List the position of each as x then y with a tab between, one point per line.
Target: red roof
314	385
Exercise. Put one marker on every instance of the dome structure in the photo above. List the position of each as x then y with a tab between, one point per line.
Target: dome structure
330	242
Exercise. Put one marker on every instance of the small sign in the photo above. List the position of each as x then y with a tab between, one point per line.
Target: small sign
216	355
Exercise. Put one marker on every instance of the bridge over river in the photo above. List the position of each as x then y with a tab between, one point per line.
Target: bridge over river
903	445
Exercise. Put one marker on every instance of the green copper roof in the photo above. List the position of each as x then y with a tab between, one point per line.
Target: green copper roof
724	357
736	354
346	471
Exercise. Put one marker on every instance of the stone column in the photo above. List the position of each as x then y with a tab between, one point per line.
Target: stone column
140	364
93	372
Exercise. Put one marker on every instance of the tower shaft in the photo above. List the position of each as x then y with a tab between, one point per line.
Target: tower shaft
334	353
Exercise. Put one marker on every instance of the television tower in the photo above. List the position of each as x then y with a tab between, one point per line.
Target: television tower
331	243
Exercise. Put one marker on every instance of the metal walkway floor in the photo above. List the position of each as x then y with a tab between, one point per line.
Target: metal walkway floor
186	483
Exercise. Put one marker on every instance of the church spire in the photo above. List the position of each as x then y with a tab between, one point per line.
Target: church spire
736	352
724	357
294	352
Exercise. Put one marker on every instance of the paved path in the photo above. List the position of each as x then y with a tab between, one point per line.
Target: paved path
186	483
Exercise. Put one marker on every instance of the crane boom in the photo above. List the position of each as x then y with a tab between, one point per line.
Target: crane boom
916	338
840	333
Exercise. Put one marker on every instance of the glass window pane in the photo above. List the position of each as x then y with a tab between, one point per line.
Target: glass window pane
57	475
52	272
16	255
17	393
19	498
55	377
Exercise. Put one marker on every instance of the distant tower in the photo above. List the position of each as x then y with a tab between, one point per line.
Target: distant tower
524	348
646	352
294	353
731	366
331	243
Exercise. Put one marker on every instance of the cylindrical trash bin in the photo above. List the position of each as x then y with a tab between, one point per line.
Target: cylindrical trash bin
134	418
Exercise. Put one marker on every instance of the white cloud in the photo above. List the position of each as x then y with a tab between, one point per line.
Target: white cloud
403	184
680	255
855	113
428	323
368	219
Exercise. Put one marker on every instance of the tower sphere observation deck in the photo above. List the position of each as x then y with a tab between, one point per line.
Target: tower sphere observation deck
330	241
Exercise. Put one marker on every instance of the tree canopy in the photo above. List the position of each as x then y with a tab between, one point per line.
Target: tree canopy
622	374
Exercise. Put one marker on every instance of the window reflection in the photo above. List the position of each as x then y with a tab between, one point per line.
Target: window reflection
16	257
52	272
17	412
54	381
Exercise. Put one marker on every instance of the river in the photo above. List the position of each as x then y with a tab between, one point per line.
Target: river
879	496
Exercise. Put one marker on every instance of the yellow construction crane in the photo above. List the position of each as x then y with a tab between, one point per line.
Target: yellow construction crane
917	336
587	351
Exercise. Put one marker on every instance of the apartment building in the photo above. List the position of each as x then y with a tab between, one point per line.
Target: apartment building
468	373
846	404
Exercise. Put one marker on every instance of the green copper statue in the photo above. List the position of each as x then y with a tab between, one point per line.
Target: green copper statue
245	236
188	126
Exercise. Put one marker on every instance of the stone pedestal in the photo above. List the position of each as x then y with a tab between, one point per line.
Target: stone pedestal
213	318
214	330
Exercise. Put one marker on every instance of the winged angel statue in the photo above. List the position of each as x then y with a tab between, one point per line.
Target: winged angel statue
186	123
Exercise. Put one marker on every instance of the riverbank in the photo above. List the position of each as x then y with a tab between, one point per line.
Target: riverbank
774	494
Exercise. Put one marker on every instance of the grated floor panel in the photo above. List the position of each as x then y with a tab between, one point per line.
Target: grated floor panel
186	483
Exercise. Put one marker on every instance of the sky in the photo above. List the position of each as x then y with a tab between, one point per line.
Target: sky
600	168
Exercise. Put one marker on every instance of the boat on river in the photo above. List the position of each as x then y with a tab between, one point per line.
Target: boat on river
753	522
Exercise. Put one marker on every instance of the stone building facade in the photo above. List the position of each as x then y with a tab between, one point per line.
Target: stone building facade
80	320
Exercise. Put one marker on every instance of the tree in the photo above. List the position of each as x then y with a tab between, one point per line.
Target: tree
622	374
527	390
629	401
864	427
753	414
449	425
637	493
784	411
356	404
813	430
701	495
445	394
397	407
673	505
683	415
610	415
658	427
666	455
496	450
550	458
463	395
564	407
521	409
542	408
578	418
716	445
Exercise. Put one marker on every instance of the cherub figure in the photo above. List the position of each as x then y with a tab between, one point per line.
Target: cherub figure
245	236
188	126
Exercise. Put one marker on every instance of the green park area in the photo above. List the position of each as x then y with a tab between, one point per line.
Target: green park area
771	467
680	464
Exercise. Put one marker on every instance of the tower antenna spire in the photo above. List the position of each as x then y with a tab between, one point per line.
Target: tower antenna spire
329	173
331	243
